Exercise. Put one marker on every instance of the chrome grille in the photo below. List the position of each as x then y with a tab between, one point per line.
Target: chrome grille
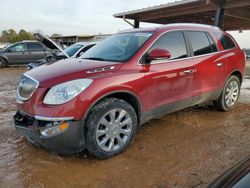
26	87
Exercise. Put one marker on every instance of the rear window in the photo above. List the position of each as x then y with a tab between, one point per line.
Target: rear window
200	43
34	47
225	40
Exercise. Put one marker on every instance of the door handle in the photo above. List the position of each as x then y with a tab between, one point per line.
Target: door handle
189	71
219	64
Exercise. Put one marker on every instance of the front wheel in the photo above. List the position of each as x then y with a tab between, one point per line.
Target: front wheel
110	127
229	95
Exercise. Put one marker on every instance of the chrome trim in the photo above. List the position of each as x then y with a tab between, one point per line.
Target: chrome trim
100	69
31	78
37	84
183	30
42	118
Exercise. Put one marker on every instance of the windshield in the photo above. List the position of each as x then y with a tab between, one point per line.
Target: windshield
71	50
118	48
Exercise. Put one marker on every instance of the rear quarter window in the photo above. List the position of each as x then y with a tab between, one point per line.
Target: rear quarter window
226	42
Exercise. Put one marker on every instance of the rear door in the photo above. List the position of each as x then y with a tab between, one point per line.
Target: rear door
169	82
208	66
35	51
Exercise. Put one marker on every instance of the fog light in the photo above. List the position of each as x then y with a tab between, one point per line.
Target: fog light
53	130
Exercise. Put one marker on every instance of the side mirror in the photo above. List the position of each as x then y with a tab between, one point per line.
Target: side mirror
158	54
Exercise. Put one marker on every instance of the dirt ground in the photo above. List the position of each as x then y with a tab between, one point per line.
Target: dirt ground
188	148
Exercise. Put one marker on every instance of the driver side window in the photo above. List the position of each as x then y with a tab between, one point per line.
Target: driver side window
18	48
174	42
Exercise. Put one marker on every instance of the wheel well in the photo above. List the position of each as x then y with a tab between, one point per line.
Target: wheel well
129	98
238	74
4	58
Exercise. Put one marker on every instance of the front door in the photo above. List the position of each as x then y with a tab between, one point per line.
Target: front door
16	54
169	82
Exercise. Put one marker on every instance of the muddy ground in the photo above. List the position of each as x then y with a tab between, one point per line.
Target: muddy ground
188	148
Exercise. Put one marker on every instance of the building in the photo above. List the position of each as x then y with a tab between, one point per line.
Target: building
68	40
226	14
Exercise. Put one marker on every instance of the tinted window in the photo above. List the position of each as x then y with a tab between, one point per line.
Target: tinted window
174	42
118	48
199	42
17	47
34	47
226	42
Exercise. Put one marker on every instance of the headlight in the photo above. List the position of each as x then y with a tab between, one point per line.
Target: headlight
66	91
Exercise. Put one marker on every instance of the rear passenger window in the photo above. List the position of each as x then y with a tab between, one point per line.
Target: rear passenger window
34	47
174	42
200	43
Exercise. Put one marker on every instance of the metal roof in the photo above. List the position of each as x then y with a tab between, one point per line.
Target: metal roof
236	13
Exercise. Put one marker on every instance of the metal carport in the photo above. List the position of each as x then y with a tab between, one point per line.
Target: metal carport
227	14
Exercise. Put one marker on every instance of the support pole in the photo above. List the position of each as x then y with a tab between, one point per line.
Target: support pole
219	14
136	24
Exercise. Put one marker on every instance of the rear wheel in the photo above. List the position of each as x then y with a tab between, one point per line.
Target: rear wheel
230	94
110	127
3	63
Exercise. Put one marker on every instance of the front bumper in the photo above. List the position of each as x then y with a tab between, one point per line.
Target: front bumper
66	142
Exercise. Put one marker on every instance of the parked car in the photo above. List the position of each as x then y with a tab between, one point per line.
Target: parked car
101	99
21	53
74	51
236	177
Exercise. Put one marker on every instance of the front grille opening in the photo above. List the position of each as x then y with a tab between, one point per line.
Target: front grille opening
29	122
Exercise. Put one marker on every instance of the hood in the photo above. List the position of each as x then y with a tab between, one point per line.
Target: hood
48	42
70	69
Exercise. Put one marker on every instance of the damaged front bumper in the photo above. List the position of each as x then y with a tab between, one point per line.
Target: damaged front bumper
60	135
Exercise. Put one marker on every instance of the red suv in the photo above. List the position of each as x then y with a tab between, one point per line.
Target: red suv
99	100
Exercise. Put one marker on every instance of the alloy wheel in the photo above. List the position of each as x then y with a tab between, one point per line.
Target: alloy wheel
232	93
114	130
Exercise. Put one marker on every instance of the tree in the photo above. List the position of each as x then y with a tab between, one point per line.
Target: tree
11	36
5	36
23	35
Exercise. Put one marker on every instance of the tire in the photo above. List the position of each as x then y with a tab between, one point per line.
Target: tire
223	102
3	63
106	138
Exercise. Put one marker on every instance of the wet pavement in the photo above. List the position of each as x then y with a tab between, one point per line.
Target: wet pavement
188	148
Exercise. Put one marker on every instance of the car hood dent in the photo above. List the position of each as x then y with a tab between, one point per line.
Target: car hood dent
49	75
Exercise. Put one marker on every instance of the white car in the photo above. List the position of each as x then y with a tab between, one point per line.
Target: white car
76	50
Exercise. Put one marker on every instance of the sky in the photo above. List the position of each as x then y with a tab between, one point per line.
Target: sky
77	17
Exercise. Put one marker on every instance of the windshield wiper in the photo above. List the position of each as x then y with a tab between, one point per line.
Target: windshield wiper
95	58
